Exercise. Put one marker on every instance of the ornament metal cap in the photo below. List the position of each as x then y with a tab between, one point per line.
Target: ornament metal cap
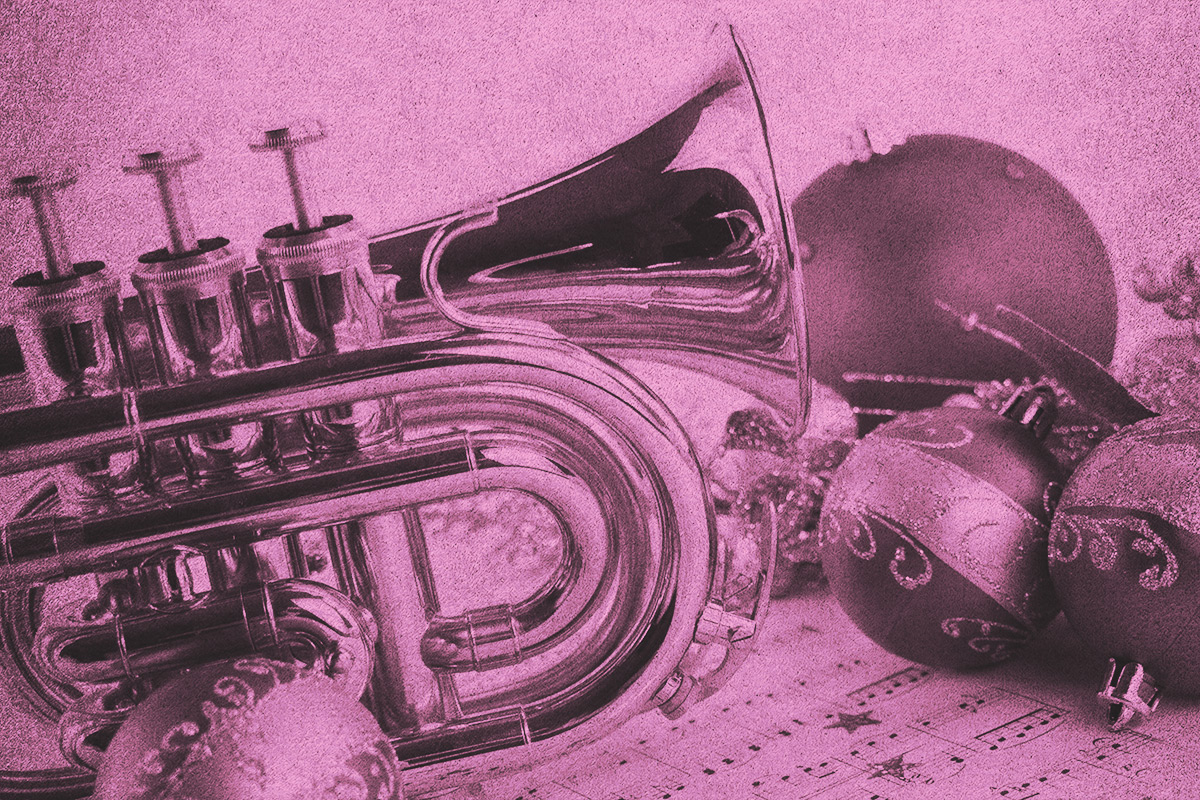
1130	693
1033	408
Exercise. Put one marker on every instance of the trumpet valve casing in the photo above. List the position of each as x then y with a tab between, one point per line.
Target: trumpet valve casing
194	297
73	346
197	313
63	327
65	320
321	281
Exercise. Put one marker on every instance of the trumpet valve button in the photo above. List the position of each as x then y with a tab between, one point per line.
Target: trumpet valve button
290	137
41	191
286	141
166	166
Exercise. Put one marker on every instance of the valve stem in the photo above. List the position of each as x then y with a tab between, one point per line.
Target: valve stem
166	166
287	141
41	191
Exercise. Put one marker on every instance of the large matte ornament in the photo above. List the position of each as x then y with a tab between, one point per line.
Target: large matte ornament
1125	560
249	729
933	534
946	219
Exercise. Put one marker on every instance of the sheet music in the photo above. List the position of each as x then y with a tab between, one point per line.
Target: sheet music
821	712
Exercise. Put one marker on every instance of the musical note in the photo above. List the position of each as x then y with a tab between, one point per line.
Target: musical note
907	755
624	775
669	791
1128	753
1024	728
553	791
843	674
1062	780
993	720
823	778
756	714
898	683
779	789
718	747
968	705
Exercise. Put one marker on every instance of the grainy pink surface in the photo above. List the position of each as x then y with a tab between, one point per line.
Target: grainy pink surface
436	106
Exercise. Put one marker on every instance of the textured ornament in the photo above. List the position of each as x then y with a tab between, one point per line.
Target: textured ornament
247	729
1165	375
933	535
1125	559
944	219
757	467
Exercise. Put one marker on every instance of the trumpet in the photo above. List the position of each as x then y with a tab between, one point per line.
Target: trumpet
262	459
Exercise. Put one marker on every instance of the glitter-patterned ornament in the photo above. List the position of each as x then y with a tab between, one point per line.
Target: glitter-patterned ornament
933	535
1125	560
757	466
1165	375
249	729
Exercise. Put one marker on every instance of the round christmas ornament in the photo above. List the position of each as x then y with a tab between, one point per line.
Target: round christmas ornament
953	221
933	534
246	729
1125	559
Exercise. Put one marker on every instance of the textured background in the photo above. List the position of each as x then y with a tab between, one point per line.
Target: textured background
438	105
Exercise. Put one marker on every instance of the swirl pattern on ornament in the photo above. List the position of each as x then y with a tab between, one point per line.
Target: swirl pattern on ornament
925	430
966	512
1066	540
1073	531
994	639
861	542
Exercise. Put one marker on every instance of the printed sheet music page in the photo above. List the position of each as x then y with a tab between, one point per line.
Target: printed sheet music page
822	712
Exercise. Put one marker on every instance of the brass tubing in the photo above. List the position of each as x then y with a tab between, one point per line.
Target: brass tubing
533	626
46	548
38	437
235	624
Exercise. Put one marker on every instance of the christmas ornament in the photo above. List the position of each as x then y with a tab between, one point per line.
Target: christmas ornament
1125	559
246	729
1165	375
933	534
756	467
952	219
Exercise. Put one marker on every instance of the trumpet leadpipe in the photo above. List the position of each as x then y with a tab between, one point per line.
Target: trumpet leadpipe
42	436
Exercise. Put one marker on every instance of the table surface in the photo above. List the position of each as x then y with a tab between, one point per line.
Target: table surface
822	712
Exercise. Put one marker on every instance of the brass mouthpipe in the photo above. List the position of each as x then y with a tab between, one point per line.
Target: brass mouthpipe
48	548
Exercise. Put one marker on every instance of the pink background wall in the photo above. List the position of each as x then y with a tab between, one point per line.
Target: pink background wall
435	107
